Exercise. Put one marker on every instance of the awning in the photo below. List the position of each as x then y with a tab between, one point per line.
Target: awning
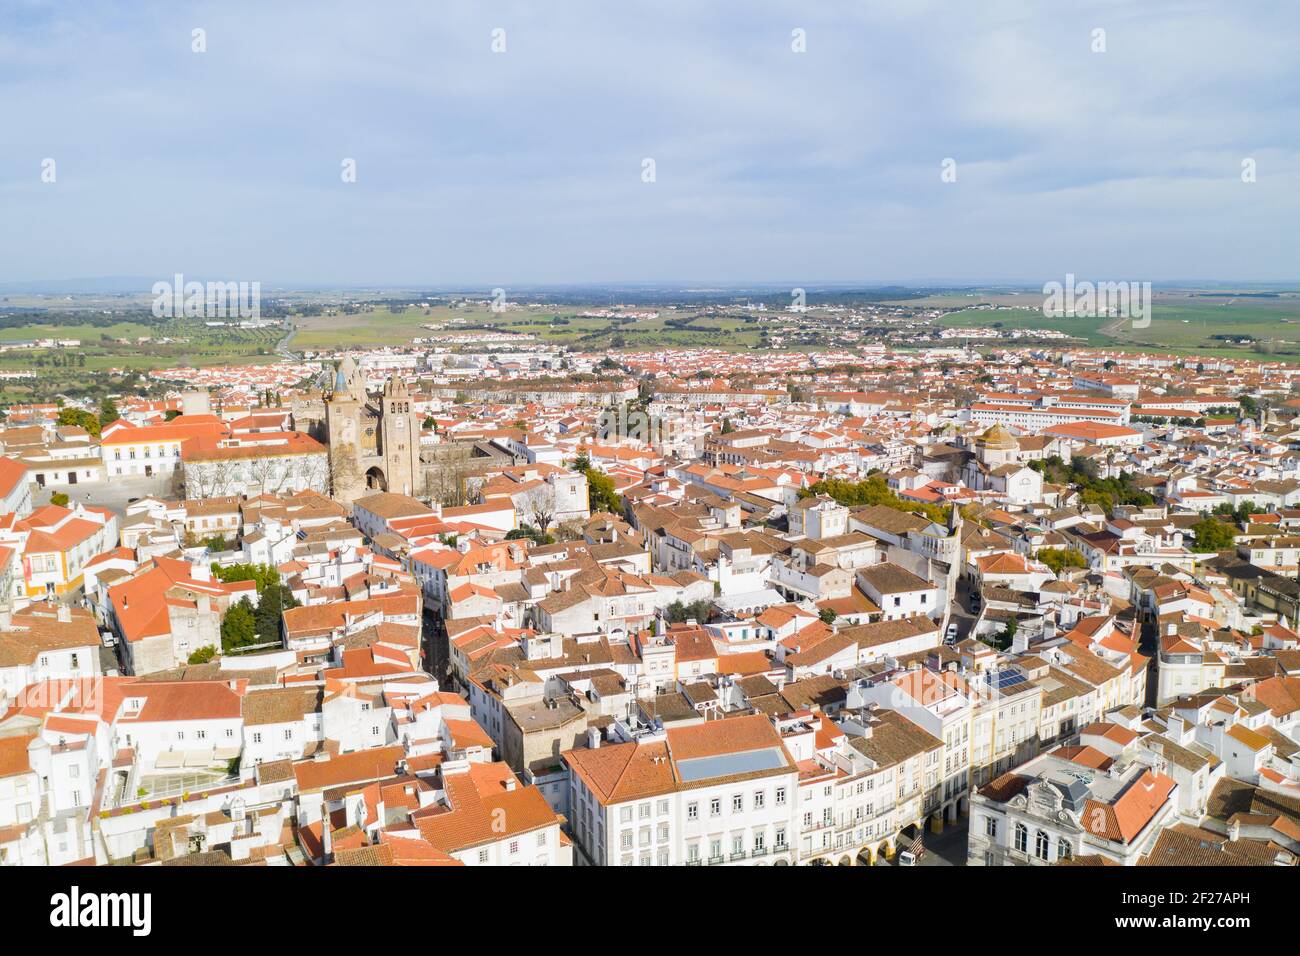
198	758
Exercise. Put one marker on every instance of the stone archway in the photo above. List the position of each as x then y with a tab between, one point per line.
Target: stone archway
375	480
867	856
845	860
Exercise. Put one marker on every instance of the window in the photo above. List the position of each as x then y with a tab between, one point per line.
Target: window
1062	849
715	807
737	803
643	811
625	814
662	809
1041	844
626	840
780	796
991	826
482	856
288	733
692	811
257	738
759	799
514	847
1022	838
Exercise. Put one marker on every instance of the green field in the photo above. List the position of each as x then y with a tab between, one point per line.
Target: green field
1183	323
550	326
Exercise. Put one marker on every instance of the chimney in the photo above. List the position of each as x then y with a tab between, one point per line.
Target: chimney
65	613
593	738
1234	831
1171	629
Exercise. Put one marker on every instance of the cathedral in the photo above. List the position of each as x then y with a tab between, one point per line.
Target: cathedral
374	441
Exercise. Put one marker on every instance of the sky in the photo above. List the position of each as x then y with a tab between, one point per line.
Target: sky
528	165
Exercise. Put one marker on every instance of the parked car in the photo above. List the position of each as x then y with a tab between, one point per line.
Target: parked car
950	635
907	858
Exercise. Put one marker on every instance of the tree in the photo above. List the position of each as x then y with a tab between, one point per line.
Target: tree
827	615
202	655
263	574
1213	535
538	504
601	495
1059	558
873	491
270	609
531	533
582	463
59	498
81	419
108	412
699	611
239	628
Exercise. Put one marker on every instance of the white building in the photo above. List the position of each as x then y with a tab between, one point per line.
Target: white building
718	792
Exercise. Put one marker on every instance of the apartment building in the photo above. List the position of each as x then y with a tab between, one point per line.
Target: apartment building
719	792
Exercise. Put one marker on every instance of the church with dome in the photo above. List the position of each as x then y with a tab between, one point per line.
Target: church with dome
995	466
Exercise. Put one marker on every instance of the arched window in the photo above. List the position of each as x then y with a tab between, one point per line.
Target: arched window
1022	838
1041	844
1062	849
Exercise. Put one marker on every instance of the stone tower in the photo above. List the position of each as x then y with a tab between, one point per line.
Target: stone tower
400	443
374	442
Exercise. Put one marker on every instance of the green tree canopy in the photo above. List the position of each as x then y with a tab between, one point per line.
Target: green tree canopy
80	419
239	628
1213	535
1060	558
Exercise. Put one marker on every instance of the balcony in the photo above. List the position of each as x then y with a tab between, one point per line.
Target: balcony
737	855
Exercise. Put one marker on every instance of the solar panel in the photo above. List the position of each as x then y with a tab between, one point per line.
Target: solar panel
1006	679
726	765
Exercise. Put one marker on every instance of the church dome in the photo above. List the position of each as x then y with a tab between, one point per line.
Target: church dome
998	437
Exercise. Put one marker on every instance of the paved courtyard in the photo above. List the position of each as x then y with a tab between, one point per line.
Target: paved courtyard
114	495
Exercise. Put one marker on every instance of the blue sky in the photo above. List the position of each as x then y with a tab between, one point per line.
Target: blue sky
525	167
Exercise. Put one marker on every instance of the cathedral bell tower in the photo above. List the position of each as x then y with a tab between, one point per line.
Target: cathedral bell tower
400	446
